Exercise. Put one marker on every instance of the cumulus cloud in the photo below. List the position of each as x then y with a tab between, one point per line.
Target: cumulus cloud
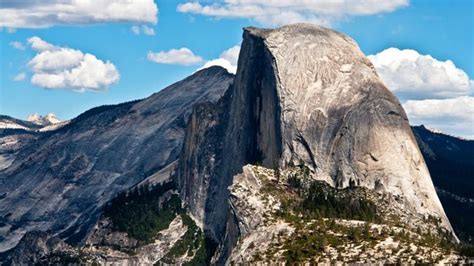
231	54
52	60
411	75
46	13
57	67
21	76
39	45
454	116
227	59
17	45
182	56
433	92
279	12
137	30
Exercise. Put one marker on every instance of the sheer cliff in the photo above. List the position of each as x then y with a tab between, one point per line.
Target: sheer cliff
307	95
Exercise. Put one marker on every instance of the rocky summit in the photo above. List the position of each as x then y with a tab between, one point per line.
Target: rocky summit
303	156
303	95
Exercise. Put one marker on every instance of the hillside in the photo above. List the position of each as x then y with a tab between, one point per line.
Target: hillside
73	171
451	164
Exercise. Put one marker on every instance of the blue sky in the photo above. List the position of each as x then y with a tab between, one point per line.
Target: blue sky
441	29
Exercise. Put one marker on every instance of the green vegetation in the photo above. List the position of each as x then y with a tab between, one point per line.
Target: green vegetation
312	238
143	212
188	243
466	249
311	199
314	199
59	259
314	208
192	244
321	200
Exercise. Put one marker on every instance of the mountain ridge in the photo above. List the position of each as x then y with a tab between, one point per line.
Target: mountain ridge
98	153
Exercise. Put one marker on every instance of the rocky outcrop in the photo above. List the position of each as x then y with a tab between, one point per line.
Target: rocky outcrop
60	181
255	213
108	247
34	247
305	94
275	228
104	235
105	247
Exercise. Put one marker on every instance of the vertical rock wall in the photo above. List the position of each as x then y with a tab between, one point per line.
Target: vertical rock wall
302	93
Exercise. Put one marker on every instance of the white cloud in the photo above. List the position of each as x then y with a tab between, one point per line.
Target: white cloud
52	60
182	56
454	116
21	76
433	92
148	30
411	75
17	45
39	45
57	67
46	13
227	59
144	29
279	12
231	54
135	29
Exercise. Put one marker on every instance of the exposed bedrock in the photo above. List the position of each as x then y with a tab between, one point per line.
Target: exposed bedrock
60	181
302	93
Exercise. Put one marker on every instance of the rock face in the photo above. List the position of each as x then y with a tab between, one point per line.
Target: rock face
101	246
59	181
306	94
272	231
33	247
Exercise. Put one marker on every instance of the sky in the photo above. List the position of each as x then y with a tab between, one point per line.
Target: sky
68	56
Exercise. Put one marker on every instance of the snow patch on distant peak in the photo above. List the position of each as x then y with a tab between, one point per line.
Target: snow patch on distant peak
435	130
49	119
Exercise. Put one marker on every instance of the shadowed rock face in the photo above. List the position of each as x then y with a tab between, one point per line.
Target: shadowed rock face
302	93
33	247
450	161
60	181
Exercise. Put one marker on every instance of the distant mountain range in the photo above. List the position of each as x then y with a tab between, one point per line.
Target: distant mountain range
49	119
451	164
